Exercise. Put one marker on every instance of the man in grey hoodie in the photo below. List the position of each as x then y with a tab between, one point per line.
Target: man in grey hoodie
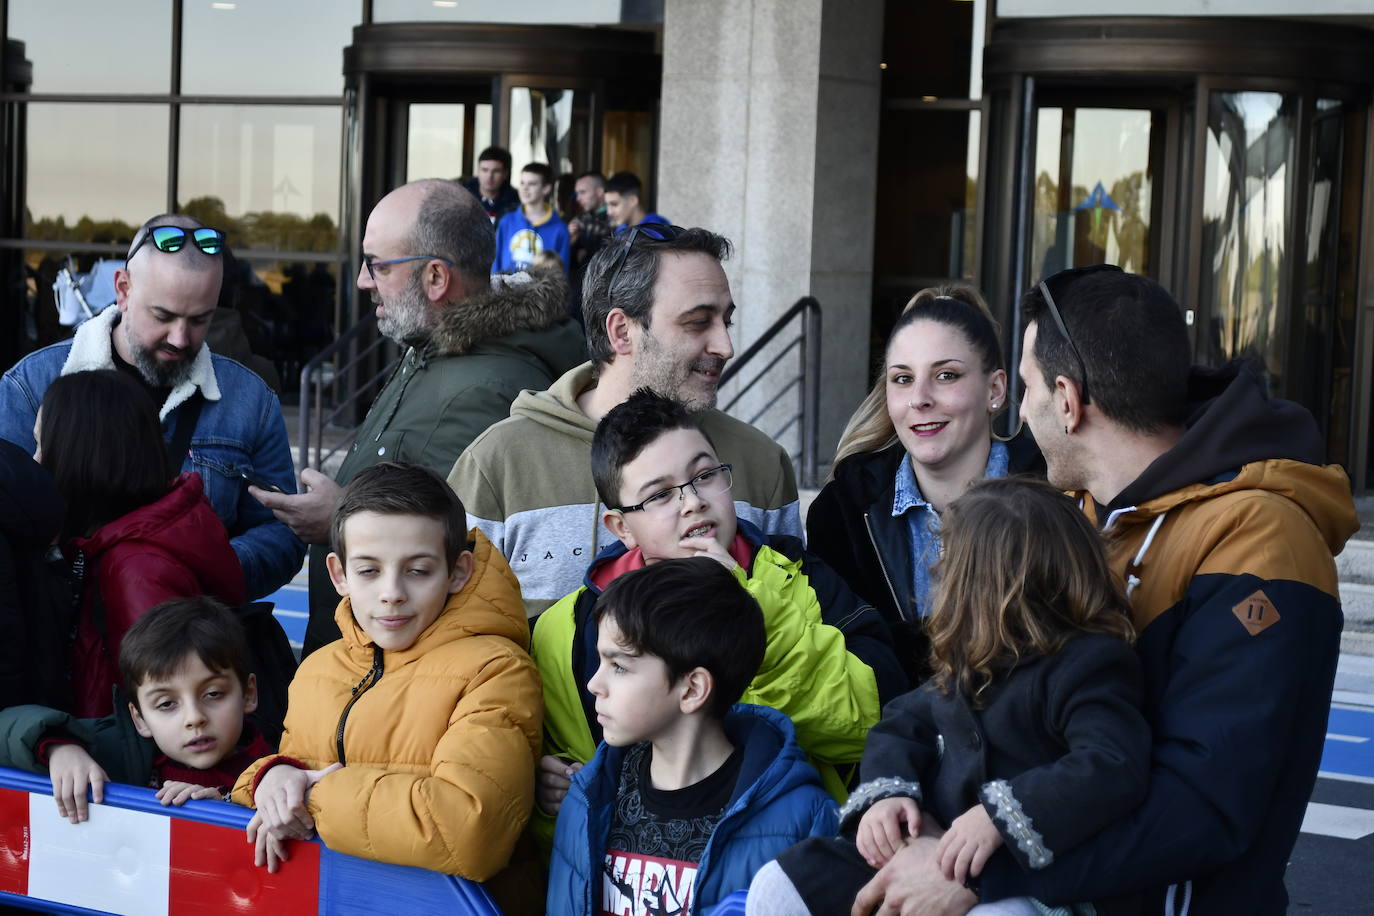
658	311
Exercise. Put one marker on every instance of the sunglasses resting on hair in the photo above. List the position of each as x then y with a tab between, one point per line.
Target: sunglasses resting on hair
173	239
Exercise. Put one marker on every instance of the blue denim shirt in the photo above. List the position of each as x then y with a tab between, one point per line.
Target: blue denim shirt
924	522
244	429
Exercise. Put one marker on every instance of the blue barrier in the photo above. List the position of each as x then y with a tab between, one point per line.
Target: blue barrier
135	856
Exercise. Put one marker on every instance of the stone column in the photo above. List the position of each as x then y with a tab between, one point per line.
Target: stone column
769	130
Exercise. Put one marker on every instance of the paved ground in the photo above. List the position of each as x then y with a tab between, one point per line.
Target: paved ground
1331	863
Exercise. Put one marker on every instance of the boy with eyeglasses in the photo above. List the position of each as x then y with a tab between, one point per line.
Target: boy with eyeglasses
828	663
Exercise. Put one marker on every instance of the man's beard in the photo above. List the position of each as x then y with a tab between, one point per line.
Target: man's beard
406	319
156	372
657	369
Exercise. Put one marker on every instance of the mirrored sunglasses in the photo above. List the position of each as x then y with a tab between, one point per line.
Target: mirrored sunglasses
173	238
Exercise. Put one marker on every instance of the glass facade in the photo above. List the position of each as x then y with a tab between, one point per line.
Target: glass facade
1245	218
929	153
1092	198
245	134
95	45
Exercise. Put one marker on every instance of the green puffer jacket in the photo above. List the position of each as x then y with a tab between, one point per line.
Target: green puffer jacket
126	756
485	351
828	664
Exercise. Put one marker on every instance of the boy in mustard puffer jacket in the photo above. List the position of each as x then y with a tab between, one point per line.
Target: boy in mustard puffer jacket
413	739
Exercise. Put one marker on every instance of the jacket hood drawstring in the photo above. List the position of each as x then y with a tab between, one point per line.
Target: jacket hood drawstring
1133	580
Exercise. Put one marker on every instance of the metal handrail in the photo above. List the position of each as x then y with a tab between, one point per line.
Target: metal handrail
806	312
313	419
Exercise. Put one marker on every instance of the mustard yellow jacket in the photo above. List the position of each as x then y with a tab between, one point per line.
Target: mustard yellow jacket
440	749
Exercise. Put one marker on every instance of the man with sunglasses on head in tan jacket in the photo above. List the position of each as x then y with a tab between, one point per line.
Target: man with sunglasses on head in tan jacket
220	419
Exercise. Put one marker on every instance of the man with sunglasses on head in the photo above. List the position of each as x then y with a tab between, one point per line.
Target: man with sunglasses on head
221	420
471	342
1222	519
658	313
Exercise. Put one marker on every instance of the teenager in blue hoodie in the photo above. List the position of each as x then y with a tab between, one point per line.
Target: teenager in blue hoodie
532	227
689	795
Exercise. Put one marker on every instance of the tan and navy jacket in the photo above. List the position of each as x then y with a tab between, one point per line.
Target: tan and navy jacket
1226	544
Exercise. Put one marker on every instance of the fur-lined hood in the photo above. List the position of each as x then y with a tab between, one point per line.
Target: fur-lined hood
93	348
516	302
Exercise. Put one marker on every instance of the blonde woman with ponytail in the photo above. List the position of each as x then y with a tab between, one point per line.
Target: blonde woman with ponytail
920	437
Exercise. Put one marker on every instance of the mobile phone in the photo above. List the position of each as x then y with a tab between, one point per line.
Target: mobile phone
258	482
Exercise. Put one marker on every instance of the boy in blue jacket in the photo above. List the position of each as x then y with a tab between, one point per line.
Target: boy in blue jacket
688	796
828	663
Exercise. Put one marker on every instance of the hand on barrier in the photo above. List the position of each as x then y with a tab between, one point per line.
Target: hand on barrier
282	815
307	514
179	793
554	779
966	846
73	771
880	829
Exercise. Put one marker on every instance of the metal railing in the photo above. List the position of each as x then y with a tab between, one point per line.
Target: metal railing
805	314
324	372
804	423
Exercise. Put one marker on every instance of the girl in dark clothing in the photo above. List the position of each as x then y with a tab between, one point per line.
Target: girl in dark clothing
922	435
1028	739
139	535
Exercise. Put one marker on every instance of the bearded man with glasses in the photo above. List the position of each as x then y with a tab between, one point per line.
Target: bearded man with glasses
470	343
219	418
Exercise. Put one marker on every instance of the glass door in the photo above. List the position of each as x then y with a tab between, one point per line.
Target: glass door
1096	186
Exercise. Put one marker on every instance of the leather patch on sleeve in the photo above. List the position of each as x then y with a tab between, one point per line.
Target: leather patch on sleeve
1256	613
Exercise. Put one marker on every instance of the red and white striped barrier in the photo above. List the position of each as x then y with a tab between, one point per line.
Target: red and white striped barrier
136	857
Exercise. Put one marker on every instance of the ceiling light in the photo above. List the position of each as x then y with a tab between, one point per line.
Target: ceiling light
224	6
446	4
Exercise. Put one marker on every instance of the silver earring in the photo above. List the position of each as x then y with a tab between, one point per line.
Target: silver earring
1066	430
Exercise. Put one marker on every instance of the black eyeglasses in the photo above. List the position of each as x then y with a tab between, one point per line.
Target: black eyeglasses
372	264
1062	281
173	238
710	482
650	232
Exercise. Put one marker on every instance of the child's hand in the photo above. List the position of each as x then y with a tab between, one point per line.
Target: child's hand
72	770
280	799
966	846
551	786
880	829
179	793
267	849
709	547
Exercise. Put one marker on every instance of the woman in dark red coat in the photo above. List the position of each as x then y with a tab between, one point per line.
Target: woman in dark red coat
139	535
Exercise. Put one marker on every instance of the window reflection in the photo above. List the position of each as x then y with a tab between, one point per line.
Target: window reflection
95	45
627	142
435	141
1325	327
286	310
551	126
266	174
1250	146
928	173
1092	189
261	48
544	12
94	172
